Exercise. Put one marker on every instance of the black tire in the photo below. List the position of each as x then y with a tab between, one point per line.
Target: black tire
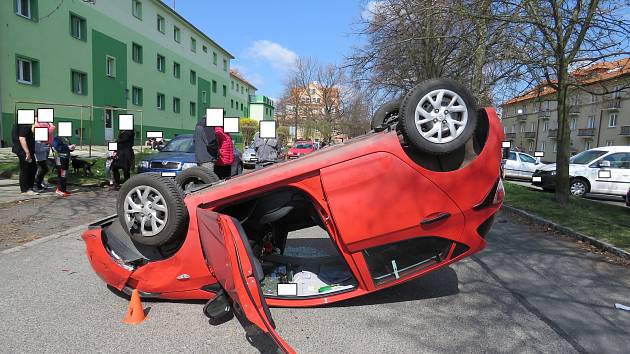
176	219
197	175
386	111
578	187
407	117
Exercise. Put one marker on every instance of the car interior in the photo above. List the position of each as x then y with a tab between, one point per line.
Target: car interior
312	265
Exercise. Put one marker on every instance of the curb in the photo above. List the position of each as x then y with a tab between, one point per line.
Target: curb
602	245
44	239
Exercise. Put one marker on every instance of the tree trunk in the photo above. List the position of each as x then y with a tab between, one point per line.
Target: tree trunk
564	140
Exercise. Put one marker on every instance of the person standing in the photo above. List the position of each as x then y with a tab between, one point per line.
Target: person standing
223	165
206	145
62	149
24	147
124	158
42	151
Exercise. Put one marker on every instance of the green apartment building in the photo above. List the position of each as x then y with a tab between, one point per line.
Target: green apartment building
114	55
261	107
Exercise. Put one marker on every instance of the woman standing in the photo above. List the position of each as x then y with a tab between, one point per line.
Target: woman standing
124	157
42	150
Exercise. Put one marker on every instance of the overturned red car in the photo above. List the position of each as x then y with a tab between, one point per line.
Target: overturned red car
416	194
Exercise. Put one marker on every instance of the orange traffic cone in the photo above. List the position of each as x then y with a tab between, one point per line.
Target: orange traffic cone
135	313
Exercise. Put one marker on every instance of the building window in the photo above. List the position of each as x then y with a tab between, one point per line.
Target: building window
522	130
204	97
242	108
214	58
136	53
176	108
555	148
531	145
78	27
587	145
136	9
160	101
532	127
161	63
193	108
610	143
110	66
616	92
543	146
205	49
225	65
612	120
593	98
176	34
232	85
136	96
244	92
237	86
224	91
78	81
193	45
513	128
176	70
24	8
545	126
573	125
193	77
214	86
160	23
590	123
231	103
27	71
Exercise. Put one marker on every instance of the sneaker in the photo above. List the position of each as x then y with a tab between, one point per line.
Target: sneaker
62	193
30	192
39	189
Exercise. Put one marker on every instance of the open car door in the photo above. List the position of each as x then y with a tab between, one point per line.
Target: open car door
230	259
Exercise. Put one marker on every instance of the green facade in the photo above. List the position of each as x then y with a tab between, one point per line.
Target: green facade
108	31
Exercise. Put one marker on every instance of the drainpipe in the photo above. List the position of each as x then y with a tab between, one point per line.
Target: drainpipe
599	127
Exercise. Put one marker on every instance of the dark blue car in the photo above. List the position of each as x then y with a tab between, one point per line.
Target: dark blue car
178	155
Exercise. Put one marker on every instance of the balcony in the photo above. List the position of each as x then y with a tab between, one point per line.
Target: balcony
625	130
510	136
574	110
521	117
611	103
530	135
544	114
553	133
588	132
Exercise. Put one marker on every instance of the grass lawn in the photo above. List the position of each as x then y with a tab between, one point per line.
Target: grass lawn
610	223
12	170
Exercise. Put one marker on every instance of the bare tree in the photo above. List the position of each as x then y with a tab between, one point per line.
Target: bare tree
330	81
555	35
296	86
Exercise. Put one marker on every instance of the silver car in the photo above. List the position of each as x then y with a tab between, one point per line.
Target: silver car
249	157
520	165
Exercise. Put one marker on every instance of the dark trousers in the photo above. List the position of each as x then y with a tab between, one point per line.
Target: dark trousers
116	172
62	170
42	170
27	173
223	172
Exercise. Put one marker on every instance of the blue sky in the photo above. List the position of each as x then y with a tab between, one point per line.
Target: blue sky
265	36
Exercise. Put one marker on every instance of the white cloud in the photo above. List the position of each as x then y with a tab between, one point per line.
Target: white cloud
278	56
253	77
371	8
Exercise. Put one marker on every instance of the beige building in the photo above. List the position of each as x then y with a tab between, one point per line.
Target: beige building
530	121
312	103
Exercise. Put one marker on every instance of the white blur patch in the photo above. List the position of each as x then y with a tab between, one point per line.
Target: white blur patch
231	125
26	116
65	129
125	122
214	117
268	129
45	115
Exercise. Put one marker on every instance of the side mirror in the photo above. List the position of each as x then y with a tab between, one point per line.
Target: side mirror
218	309
602	164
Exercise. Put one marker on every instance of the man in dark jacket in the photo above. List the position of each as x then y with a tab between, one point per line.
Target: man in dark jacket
124	157
24	147
206	144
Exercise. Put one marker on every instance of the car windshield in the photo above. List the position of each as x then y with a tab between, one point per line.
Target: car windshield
303	146
180	145
586	156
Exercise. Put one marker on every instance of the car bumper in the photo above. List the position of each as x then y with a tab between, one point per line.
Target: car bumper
158	170
547	181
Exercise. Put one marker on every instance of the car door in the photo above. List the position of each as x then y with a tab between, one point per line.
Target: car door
512	165
231	261
619	172
527	166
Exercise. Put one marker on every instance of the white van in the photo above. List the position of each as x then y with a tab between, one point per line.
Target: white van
602	170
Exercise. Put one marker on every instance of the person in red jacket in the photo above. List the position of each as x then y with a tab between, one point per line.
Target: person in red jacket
223	165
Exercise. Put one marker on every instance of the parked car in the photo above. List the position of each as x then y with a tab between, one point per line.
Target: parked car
520	165
249	157
179	155
299	148
389	214
603	170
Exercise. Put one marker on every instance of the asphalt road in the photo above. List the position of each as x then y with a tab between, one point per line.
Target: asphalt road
529	291
608	199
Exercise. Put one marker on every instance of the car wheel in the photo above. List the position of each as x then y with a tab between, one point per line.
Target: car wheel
152	210
578	187
438	116
385	113
195	176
